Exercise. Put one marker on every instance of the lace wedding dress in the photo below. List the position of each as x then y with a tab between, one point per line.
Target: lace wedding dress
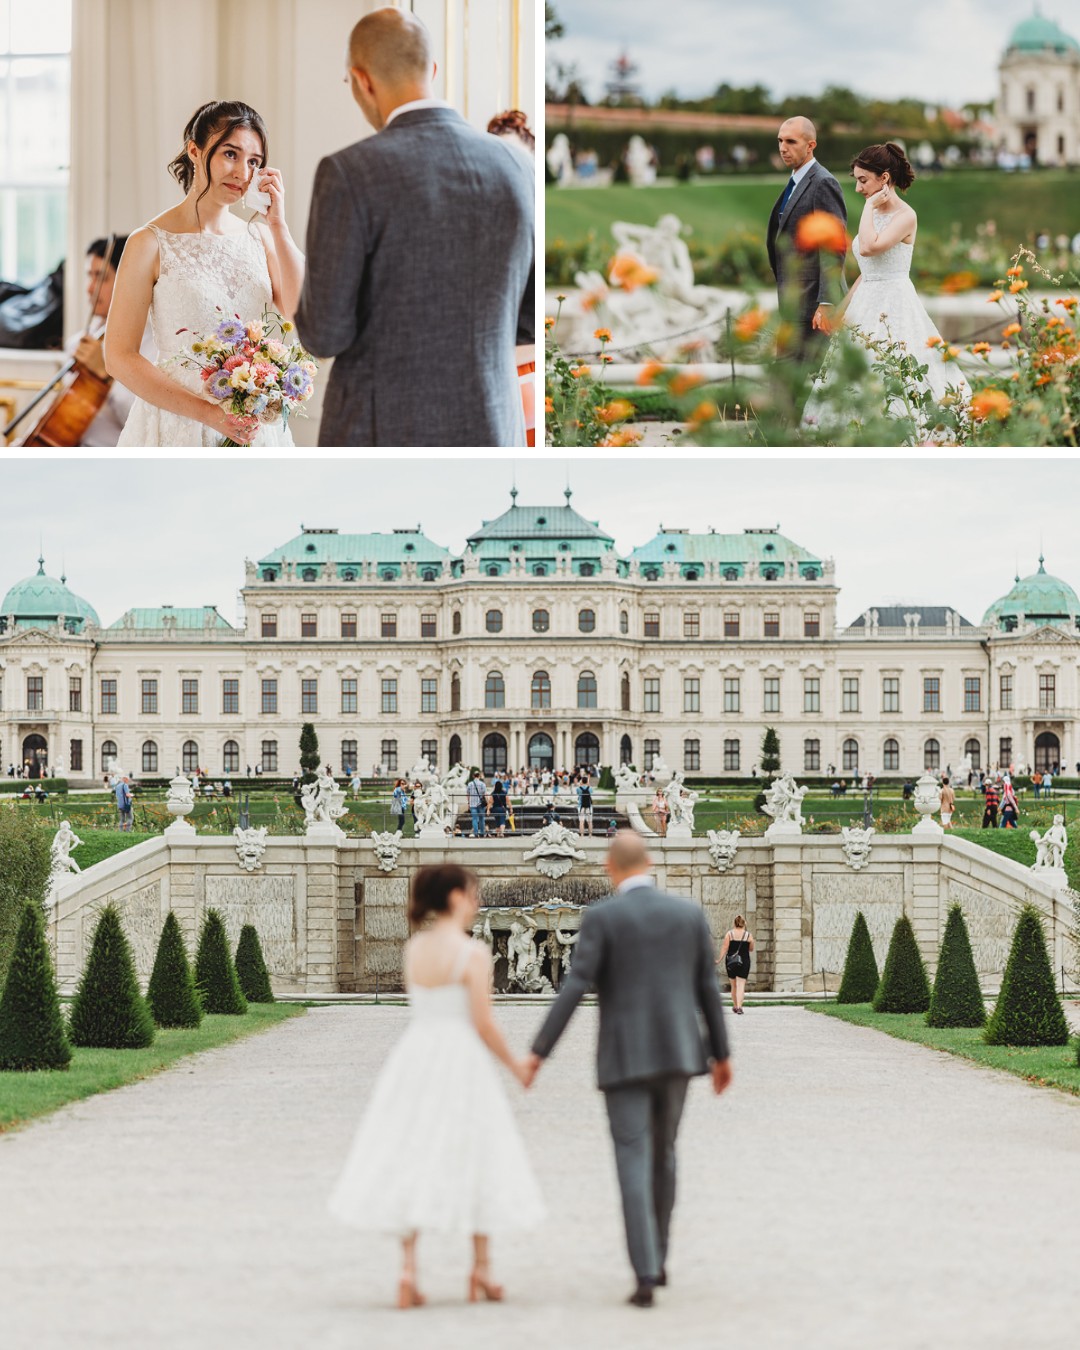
438	1148
197	273
886	308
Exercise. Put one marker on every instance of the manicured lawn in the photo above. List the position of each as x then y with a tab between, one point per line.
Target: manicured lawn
1017	845
26	1095
97	845
1046	1066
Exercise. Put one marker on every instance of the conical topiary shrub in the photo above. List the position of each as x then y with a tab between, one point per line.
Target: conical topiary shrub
1028	1010
904	987
215	974
171	993
251	968
109	1012
860	979
32	1034
957	1000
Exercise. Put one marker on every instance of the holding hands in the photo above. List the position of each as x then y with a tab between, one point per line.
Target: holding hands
525	1070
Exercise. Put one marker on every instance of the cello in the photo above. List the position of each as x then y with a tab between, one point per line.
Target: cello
66	419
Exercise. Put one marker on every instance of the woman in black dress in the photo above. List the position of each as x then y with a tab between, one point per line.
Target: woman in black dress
735	956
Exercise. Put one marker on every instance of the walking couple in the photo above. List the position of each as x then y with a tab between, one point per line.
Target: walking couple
439	1131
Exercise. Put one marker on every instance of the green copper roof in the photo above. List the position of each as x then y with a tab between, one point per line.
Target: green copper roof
1037	599
41	600
1039	34
765	547
550	525
188	619
329	548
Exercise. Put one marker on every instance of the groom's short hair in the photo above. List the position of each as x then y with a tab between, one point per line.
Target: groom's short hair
391	44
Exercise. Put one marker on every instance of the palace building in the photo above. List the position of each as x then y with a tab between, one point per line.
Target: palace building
1038	104
539	645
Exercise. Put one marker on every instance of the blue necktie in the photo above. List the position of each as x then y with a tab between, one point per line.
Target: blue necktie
787	194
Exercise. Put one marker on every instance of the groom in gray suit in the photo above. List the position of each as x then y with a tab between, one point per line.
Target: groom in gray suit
650	958
420	252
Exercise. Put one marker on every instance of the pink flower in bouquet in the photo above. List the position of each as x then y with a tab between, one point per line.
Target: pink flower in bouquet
265	373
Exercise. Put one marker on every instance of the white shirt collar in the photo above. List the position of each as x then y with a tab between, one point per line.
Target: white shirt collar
414	106
632	883
800	174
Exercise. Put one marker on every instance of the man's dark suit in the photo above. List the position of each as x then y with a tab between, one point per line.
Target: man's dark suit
650	958
806	280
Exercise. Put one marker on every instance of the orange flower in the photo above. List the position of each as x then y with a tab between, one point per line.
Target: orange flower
1011	330
579	372
748	325
980	348
591	299
602	335
549	323
629	271
618	410
994	297
820	230
1054	322
950	353
935	341
649	371
1069	304
991	402
685	381
549	405
606	360
624	436
956	282
1015	272
1017	287
1043	379
704	412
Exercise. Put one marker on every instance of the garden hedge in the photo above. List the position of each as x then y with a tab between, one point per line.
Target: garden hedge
171	993
957	1000
32	1034
109	1012
251	968
904	987
1028	1010
25	863
215	975
860	979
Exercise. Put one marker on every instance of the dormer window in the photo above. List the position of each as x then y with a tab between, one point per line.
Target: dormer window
493	570
409	548
348	575
428	574
670	548
309	574
539	570
387	575
269	574
586	570
652	574
770	573
731	574
309	548
811	574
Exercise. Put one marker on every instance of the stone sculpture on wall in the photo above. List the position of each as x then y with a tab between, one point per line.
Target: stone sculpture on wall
323	801
1049	864
387	846
62	863
722	846
856	845
927	801
180	800
434	809
250	846
783	801
554	851
680	802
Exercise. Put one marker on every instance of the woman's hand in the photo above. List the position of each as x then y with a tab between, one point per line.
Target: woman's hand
243	430
881	200
270	182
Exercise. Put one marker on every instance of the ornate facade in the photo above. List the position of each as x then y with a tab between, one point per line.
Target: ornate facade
1038	105
541	644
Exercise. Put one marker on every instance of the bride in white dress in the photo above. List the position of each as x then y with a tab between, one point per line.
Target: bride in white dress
186	263
883	304
438	1145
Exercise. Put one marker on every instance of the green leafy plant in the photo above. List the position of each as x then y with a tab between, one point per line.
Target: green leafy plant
860	979
904	987
251	968
309	753
25	863
108	1010
770	751
956	1000
32	1034
1028	1010
171	993
215	975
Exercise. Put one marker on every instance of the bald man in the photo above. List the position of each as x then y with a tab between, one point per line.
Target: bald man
809	284
649	956
420	261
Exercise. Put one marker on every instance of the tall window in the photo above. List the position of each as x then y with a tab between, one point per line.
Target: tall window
1005	687
35	693
269	696
269	625
891	756
149	697
309	696
586	620
388	625
652	754
626	750
731	623
389	756
349	702
429	695
455	695
349	756
652	623
1005	751
974	749
429	751
771	694
652	694
850	756
149	757
541	621
624	692
972	693
771	627
429	626
811	756
35	145
849	694
624	622
1047	692
931	693
348	625
540	690
493	621
189	757
309	625
230	696
731	756
811	693
75	756
932	754
890	693
455	622
75	694
691	624
189	696
108	696
389	697
732	695
586	690
230	757
691	756
691	694
108	754
811	625
268	757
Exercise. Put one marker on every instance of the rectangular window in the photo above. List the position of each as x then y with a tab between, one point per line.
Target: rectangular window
890	693
230	696
811	694
348	625
389	756
811	625
691	699
269	696
771	624
389	697
309	625
428	626
189	696
429	752
268	758
691	624
691	756
731	756
1047	692
1006	689
35	693
811	756
849	694
309	696
731	694
388	625
931	693
972	693
652	694
349	756
75	694
75	756
149	697
652	624
429	696
771	702
652	754
108	696
269	625
348	695
731	624
1005	751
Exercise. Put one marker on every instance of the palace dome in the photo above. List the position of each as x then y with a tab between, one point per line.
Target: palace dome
39	601
1037	599
1039	34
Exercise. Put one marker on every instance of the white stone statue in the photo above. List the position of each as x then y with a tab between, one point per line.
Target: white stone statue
560	159
855	842
565	940
660	771
323	801
421	772
387	846
639	163
180	800
250	846
1050	847
456	780
663	249
722	846
62	863
434	809
681	801
554	851
521	944
927	801
627	779
783	801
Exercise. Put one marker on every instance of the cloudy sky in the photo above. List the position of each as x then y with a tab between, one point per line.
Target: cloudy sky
940	51
948	531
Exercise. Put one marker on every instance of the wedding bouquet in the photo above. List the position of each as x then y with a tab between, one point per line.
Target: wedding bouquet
257	371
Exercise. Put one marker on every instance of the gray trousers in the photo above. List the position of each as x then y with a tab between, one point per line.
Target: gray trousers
644	1119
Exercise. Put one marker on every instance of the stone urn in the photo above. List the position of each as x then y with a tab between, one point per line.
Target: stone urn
927	802
180	802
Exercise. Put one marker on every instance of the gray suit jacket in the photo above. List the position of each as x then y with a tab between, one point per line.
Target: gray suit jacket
420	256
806	280
650	958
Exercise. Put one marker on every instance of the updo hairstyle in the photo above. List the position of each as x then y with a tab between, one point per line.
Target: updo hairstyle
431	889
212	125
512	123
887	159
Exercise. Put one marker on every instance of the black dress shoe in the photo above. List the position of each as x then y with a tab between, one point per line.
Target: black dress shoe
642	1297
661	1280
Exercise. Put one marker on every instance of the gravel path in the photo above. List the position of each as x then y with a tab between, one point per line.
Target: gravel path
850	1191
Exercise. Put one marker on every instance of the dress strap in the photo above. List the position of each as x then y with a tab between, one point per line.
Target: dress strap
461	961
